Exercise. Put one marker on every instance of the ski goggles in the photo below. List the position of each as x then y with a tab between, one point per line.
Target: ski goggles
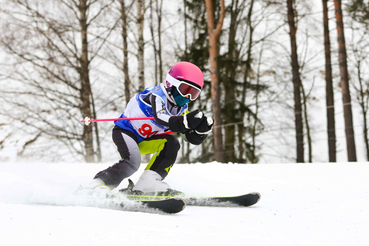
184	88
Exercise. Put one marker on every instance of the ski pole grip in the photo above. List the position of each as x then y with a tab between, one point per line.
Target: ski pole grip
86	121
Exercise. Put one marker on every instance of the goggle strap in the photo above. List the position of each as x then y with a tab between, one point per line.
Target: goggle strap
173	81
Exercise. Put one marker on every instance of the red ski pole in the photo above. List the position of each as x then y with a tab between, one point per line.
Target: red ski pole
87	120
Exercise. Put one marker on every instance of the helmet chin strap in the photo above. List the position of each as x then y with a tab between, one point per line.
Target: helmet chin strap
170	97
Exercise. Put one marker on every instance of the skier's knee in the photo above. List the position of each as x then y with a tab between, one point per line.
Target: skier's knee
173	143
113	176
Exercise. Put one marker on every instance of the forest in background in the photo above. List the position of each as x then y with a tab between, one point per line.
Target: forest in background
285	80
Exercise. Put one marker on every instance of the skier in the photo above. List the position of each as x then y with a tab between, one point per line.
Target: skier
168	104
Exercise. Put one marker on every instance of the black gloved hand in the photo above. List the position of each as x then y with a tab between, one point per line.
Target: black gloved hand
198	135
193	137
193	119
187	122
205	126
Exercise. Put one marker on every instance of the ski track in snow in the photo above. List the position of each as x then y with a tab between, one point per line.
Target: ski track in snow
301	204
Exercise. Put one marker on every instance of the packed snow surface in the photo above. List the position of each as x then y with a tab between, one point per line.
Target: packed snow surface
301	204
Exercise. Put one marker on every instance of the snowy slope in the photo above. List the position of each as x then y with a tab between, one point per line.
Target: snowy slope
301	204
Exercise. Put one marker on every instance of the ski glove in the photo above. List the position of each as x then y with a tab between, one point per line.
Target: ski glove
187	122
193	137
205	126
198	135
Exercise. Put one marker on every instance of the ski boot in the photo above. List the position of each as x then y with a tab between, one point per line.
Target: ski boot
150	184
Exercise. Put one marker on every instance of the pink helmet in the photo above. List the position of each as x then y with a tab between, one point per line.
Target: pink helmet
186	71
187	78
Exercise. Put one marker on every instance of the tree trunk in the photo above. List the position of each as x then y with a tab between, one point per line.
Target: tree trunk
95	125
346	98
230	87
141	44
154	42
365	132
157	43
308	135
185	26
296	83
159	9
213	34
127	81
364	106
252	155
85	84
331	128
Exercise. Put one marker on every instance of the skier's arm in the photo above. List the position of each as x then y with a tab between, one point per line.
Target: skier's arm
158	109
175	123
182	124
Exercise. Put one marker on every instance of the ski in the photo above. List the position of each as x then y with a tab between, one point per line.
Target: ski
168	205
245	200
118	201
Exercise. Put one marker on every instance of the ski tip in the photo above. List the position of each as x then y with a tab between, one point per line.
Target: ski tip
169	206
245	200
256	196
181	205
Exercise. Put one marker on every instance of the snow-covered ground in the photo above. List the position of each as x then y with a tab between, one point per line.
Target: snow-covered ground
301	204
